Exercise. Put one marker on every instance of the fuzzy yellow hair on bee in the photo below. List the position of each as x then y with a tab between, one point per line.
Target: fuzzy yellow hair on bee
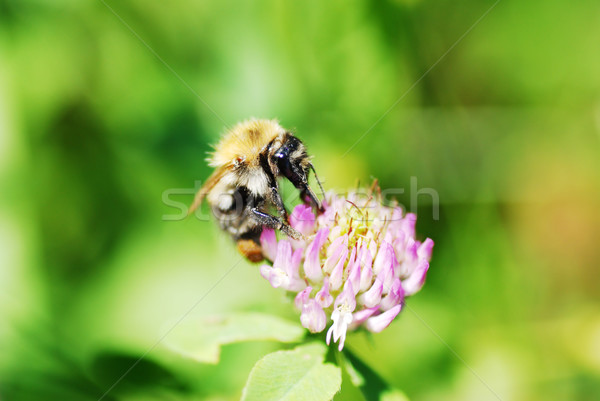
246	140
249	160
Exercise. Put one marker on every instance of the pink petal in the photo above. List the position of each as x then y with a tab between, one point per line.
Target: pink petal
336	232
408	224
385	258
387	278
313	317
312	261
411	258
354	272
399	245
265	272
268	243
352	258
373	248
295	282
268	273
302	297
377	323
397	214
362	315
347	298
424	251
303	219
293	270
416	280
394	296
366	272
337	273
338	250
283	259
372	297
323	297
366	277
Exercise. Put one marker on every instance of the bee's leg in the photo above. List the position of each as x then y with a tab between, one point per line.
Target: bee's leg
309	198
307	195
279	202
273	222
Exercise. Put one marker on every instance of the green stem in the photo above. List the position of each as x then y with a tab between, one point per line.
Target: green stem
369	382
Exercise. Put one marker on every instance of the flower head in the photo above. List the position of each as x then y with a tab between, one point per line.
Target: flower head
357	263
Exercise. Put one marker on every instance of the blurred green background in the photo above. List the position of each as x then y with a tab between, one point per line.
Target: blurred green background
94	128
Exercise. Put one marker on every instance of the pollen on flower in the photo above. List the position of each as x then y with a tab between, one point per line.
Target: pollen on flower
357	263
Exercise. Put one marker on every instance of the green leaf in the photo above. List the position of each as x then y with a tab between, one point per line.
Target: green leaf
355	376
373	386
299	375
393	395
201	339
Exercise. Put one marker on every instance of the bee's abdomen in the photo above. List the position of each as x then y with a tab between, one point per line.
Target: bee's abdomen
251	249
231	210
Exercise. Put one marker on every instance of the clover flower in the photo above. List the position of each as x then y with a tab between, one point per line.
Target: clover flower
356	264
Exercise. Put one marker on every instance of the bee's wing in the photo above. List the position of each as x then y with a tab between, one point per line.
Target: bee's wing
214	178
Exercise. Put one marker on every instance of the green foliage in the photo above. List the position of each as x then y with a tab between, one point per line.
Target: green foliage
94	129
296	375
371	384
201	339
393	395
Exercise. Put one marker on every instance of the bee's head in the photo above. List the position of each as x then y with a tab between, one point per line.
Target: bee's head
293	163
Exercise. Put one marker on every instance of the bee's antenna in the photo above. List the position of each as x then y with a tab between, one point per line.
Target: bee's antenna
318	181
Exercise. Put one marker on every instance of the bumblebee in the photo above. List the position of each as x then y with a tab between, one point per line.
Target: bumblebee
243	189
